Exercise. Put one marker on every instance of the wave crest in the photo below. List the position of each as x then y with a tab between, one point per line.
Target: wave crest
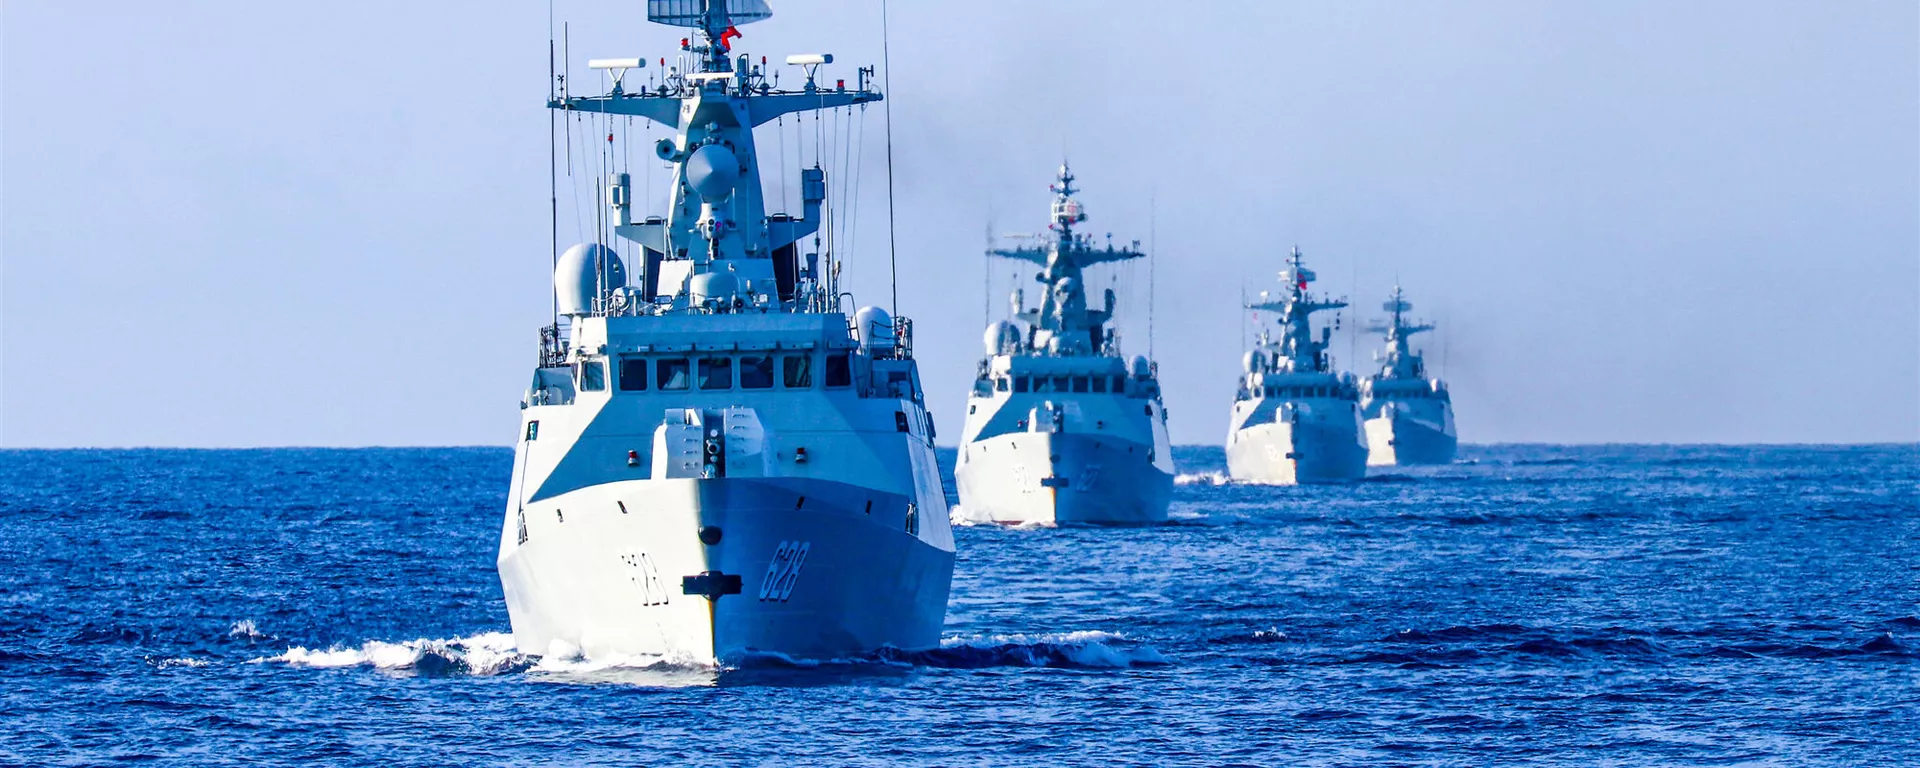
490	653
1202	478
1083	650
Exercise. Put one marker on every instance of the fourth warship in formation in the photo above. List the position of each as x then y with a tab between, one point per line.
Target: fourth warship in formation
712	461
1295	420
1061	427
1409	417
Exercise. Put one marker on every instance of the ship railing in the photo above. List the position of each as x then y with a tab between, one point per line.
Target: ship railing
903	338
553	347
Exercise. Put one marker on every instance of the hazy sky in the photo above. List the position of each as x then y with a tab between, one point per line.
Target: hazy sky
249	223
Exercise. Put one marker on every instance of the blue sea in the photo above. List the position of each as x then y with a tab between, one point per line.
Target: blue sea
1541	605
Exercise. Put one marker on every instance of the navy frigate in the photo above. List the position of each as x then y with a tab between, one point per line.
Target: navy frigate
1409	416
1295	420
712	459
1062	427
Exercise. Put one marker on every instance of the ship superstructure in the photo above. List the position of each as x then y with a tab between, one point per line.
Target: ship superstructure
712	459
1061	426
1294	419
1409	416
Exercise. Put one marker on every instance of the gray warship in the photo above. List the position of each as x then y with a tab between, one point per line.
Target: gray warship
1409	416
714	457
1295	420
1061	426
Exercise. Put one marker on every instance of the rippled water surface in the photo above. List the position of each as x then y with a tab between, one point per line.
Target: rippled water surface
1533	604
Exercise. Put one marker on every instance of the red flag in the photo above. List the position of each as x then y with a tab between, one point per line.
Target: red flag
726	38
1302	282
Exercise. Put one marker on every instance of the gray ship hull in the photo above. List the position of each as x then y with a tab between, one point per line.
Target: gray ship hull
1033	477
1290	454
1397	439
825	570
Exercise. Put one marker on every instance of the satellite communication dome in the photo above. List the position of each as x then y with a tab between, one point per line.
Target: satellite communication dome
874	327
576	277
1140	367
712	285
1000	337
712	170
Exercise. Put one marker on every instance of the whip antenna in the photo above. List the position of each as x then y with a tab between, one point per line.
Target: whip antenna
893	263
553	170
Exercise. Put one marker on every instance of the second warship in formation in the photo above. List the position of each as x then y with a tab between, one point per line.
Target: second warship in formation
1061	427
1409	417
712	460
1294	419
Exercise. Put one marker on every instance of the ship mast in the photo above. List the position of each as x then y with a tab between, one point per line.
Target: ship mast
1298	351
1400	361
717	248
1063	323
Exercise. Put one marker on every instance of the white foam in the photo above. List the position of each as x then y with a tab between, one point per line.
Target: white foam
959	516
1054	638
483	654
1202	478
1086	647
247	629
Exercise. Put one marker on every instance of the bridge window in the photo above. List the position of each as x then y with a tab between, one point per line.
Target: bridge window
1060	384
1119	383
593	376
1020	384
796	371
1079	383
673	373
1099	383
633	374
839	370
756	372
716	373
1000	383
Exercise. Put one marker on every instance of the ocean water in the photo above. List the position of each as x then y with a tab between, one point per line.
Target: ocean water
1581	606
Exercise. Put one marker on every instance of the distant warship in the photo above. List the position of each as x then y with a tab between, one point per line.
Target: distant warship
1061	428
712	460
1294	419
1409	417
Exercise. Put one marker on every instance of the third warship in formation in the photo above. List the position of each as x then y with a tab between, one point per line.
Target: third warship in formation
1061	427
712	461
1294	419
1409	417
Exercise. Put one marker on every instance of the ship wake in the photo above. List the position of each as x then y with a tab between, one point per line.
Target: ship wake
493	653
